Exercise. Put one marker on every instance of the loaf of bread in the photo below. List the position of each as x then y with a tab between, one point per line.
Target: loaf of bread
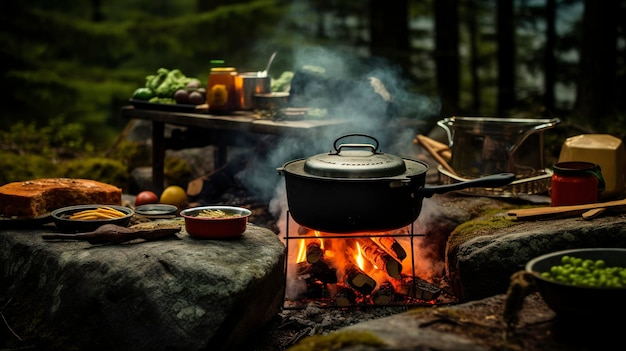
37	197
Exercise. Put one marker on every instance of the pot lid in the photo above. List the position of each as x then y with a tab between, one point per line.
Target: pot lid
355	161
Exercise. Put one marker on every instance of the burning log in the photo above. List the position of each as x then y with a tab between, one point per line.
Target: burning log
314	251
359	280
380	258
345	297
384	295
419	288
319	270
320	279
423	290
391	245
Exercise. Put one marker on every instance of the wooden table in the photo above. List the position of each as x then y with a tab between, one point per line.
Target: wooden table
224	126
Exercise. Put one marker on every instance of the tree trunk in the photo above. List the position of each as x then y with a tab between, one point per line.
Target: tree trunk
389	31
447	54
472	14
506	56
96	11
550	61
595	99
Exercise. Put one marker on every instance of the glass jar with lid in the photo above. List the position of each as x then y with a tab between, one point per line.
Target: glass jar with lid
221	94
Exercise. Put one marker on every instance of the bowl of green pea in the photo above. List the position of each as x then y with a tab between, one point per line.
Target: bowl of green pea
588	282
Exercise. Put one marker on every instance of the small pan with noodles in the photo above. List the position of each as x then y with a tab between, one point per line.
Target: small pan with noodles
216	222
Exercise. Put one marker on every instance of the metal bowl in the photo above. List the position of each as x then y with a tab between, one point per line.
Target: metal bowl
61	218
156	209
230	227
571	301
271	101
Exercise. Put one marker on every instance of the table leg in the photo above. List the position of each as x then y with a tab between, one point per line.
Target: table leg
220	156
158	156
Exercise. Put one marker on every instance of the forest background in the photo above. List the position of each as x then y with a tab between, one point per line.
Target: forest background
69	67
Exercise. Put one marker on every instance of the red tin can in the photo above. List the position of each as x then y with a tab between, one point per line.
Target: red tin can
576	183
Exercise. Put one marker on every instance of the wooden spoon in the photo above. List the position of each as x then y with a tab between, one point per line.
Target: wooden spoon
115	234
532	213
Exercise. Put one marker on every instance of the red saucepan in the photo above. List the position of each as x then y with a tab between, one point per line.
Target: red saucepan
356	188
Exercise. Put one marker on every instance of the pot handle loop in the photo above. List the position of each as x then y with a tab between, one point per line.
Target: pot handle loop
533	130
373	147
445	125
490	181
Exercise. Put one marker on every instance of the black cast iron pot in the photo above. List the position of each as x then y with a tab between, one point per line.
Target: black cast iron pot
356	188
570	301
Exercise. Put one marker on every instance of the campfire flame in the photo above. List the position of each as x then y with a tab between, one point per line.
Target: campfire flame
354	269
358	258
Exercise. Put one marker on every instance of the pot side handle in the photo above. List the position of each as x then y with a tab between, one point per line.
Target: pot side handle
490	181
549	124
446	124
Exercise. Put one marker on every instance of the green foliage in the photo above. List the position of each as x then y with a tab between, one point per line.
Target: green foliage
30	152
132	154
177	171
14	167
101	169
57	137
62	63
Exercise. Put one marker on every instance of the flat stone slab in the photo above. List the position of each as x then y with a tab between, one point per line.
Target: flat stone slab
472	326
174	294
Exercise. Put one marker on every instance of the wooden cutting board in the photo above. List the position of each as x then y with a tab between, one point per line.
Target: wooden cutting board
537	212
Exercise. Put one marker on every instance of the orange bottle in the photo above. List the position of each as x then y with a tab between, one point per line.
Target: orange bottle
221	94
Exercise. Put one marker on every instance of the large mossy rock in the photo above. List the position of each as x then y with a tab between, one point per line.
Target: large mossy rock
172	294
483	253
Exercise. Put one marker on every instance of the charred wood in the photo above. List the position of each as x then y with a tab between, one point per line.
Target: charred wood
318	270
314	251
359	280
392	246
418	288
345	297
380	258
384	295
423	290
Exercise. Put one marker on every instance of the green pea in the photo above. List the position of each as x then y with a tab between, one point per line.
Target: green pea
586	272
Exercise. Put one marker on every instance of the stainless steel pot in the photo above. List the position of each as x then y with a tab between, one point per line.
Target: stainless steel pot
357	188
247	85
487	145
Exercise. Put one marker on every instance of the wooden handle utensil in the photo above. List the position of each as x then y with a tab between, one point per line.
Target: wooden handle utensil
533	213
425	143
114	234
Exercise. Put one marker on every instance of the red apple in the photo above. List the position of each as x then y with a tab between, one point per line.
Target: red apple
146	197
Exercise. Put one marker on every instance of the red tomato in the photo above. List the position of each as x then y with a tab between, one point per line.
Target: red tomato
146	197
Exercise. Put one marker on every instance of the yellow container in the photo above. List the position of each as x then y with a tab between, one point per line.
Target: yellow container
604	150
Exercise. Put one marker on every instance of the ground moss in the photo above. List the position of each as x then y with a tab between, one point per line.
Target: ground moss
336	341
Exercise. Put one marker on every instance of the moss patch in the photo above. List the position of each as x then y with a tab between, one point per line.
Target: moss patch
487	223
336	341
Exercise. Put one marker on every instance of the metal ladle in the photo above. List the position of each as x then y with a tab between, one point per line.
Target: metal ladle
269	64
